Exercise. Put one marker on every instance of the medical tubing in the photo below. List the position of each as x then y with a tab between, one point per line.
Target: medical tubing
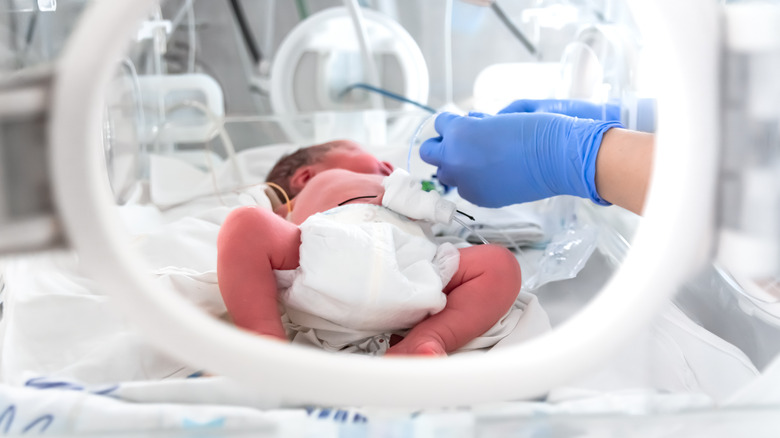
471	230
176	21
365	49
137	90
268	37
30	33
246	31
448	99
140	113
280	190
514	29
192	38
355	199
465	214
414	139
729	279
386	93
213	174
512	242
212	168
303	11
159	43
223	135
32	27
210	163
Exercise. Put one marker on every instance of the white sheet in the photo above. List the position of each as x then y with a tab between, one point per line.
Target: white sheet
213	407
86	340
672	354
57	325
63	408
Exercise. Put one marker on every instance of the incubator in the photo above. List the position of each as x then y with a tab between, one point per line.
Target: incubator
130	129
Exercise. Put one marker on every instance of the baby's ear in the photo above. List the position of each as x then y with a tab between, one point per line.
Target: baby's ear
301	177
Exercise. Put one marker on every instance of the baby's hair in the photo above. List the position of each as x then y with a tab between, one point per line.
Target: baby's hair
284	169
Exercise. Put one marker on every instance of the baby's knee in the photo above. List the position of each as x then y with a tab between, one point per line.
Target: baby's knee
502	266
503	260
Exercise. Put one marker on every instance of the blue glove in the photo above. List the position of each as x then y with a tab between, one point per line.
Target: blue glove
520	157
574	108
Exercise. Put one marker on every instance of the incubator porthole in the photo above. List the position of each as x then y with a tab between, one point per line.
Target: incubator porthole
198	145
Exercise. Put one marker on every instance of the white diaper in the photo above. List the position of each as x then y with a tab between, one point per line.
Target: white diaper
364	271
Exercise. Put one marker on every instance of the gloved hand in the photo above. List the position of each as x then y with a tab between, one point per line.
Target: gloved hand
520	157
574	108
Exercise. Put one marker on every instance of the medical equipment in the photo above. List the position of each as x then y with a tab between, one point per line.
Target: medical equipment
64	197
404	194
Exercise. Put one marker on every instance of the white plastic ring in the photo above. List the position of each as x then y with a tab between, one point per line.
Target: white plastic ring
670	242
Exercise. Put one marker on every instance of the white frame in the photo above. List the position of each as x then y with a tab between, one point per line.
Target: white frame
673	239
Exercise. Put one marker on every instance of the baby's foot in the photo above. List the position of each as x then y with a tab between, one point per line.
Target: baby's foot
418	347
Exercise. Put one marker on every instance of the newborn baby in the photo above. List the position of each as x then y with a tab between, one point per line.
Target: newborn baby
350	259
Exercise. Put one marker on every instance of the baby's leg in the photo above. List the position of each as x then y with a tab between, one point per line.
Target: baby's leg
251	244
480	293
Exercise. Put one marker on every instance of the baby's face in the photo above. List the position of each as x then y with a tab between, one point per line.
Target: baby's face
349	155
333	187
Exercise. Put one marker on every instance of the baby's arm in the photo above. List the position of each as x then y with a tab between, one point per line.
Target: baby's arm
480	293
251	244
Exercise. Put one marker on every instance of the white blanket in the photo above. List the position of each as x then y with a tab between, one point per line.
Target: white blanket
71	363
217	407
60	325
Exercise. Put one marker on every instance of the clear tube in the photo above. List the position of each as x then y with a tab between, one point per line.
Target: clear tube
465	225
142	159
224	137
414	138
365	48
177	19
159	42
448	87
191	37
512	243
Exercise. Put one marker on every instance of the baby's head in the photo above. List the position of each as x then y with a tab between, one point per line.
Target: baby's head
335	187
293	171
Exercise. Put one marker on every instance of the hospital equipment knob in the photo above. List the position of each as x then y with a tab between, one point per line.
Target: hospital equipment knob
512	158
